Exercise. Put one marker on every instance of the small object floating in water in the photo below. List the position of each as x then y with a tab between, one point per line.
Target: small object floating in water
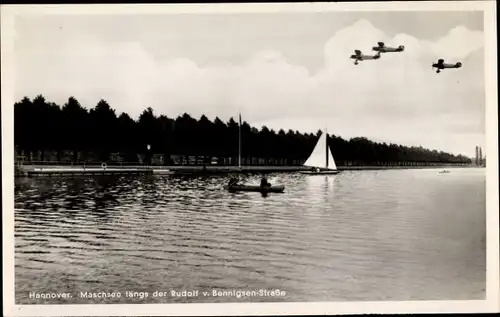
255	188
162	171
444	172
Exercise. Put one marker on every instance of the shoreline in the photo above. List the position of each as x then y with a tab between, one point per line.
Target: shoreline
58	170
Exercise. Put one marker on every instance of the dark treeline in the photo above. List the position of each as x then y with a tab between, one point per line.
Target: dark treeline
45	131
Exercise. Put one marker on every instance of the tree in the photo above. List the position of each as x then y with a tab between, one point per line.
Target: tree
41	127
105	129
75	127
148	131
220	138
128	138
166	139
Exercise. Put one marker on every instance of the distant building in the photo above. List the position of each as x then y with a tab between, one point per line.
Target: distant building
479	159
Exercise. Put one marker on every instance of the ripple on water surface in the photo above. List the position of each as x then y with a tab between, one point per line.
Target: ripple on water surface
360	235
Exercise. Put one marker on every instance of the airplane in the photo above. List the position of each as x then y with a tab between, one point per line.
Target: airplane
442	65
384	49
358	56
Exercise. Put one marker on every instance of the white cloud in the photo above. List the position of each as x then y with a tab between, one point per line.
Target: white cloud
395	98
458	43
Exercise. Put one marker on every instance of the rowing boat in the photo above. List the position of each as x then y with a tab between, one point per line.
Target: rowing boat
254	188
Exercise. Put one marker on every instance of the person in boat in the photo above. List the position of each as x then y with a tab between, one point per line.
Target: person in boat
315	169
264	182
233	181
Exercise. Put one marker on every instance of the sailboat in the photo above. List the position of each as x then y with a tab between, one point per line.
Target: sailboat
321	159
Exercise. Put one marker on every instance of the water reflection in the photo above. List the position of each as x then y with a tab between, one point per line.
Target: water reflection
360	235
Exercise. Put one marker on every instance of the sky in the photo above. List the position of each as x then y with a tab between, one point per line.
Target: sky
282	70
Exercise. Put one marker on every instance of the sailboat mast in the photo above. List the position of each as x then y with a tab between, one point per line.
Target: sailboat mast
326	147
239	141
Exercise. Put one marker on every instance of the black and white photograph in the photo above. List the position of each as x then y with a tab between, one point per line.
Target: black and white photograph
258	158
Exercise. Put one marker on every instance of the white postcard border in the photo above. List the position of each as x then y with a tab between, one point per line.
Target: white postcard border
491	304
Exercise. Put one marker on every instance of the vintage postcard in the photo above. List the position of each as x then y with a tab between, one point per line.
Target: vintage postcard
250	159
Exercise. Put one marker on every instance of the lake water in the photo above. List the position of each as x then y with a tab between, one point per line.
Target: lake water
355	236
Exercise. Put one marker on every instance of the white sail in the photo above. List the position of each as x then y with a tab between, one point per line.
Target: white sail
331	160
318	155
